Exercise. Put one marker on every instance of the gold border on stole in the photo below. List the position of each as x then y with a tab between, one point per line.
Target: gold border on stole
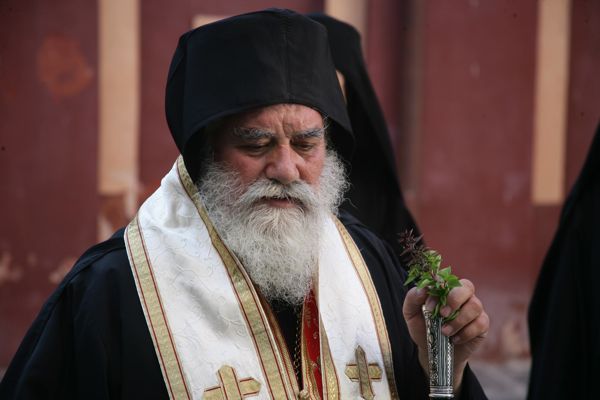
160	332
274	368
369	287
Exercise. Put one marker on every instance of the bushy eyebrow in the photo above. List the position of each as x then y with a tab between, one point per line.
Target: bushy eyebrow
257	133
310	134
251	133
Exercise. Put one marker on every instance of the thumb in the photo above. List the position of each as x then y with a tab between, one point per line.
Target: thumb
413	315
413	302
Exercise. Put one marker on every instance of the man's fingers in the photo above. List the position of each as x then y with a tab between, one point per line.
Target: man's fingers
469	312
457	297
476	330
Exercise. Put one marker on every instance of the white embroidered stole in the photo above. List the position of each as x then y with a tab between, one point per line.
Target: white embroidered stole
212	336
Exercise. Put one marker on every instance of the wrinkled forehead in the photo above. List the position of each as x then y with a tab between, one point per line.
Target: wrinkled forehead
280	118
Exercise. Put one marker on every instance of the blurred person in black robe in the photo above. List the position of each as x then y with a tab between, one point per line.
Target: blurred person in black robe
169	308
564	324
375	195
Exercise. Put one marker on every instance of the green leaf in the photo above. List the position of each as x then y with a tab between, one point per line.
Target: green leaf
437	292
424	283
412	275
434	259
445	273
415	267
453	282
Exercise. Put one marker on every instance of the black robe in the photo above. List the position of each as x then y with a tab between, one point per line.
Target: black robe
564	324
91	341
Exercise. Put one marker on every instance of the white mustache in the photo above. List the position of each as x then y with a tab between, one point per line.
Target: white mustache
299	192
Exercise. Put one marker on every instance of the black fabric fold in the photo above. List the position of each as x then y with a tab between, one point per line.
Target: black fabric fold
375	196
564	325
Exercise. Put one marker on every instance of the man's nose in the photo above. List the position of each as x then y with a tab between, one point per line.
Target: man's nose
282	165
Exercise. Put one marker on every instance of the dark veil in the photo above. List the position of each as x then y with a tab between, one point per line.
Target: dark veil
375	196
564	319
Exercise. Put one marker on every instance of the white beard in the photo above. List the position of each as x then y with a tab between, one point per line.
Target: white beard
278	247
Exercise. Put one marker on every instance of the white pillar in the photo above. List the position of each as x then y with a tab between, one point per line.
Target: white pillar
119	104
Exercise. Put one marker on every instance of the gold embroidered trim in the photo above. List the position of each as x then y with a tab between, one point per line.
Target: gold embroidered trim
154	313
365	278
308	378
271	363
284	351
331	390
231	388
364	373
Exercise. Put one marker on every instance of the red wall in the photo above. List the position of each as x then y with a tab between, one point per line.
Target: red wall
386	49
472	136
584	85
48	136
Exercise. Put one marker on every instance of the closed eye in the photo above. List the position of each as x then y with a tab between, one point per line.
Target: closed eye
308	140
305	146
255	148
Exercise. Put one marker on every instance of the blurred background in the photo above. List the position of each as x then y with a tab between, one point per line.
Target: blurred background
491	105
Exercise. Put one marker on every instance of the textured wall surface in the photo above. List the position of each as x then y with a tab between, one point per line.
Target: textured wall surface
48	133
473	163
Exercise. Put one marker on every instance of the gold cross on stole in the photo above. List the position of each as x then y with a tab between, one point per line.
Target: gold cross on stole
363	373
231	388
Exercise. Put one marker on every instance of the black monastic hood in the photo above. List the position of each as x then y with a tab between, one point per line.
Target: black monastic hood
251	60
363	107
375	196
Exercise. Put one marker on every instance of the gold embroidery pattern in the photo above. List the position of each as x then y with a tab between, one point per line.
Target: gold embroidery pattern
365	278
331	389
231	388
282	346
153	311
363	372
309	390
272	365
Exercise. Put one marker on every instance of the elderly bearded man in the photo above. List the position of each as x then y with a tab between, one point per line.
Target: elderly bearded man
235	279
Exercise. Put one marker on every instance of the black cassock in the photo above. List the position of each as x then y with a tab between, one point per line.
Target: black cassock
91	341
564	314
